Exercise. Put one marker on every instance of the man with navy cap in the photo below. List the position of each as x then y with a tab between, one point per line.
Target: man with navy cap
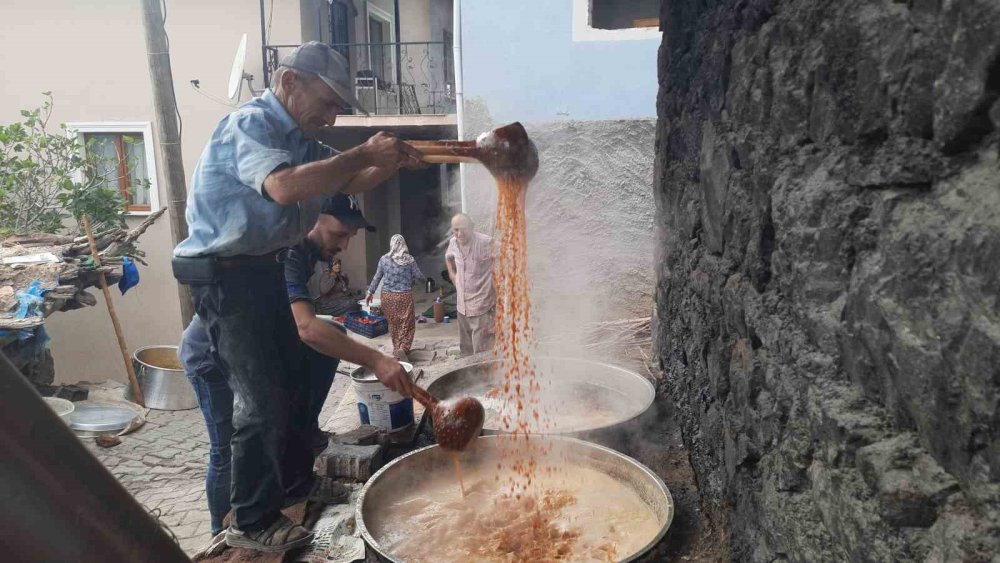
258	189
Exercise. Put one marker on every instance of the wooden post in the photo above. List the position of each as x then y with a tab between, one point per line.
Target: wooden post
132	379
168	134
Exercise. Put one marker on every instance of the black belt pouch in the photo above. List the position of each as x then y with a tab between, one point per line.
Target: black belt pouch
195	271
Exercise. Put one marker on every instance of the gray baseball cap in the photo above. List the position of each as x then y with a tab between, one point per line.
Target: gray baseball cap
331	67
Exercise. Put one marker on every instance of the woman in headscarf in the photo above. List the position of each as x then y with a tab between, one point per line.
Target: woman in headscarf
335	295
398	272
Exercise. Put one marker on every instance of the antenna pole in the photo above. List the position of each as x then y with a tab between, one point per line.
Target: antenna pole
168	133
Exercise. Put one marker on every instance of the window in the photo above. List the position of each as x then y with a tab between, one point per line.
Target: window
616	20
341	16
381	48
123	155
616	14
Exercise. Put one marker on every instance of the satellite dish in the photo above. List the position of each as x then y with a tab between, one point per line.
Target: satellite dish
236	76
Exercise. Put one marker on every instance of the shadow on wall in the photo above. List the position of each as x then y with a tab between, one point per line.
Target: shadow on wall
590	218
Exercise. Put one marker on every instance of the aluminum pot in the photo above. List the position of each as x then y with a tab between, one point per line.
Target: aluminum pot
162	380
407	472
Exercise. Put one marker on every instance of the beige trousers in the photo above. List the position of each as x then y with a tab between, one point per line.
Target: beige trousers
477	334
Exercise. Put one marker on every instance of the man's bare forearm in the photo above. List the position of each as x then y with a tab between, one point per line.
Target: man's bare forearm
318	179
368	179
331	342
326	340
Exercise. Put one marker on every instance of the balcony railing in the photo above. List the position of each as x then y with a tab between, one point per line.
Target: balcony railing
393	78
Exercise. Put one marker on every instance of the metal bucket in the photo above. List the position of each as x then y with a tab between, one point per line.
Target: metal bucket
162	380
380	406
407	472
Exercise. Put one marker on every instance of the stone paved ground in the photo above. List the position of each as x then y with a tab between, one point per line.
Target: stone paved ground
163	464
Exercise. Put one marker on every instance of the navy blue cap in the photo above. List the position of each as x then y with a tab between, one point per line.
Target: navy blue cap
347	210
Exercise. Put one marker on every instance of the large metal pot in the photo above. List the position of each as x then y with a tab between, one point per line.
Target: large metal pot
408	471
583	398
162	380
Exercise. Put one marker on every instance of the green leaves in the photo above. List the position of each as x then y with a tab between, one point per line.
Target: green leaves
45	179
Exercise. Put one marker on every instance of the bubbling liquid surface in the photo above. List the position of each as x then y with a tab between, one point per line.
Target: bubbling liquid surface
571	514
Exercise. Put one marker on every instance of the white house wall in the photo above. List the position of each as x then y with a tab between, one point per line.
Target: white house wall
92	57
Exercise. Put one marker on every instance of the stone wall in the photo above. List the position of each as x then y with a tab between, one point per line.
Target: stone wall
828	195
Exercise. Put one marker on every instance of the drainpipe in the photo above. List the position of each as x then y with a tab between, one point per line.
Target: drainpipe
263	48
459	95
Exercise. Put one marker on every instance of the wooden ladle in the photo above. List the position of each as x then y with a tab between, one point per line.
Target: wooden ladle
457	422
506	151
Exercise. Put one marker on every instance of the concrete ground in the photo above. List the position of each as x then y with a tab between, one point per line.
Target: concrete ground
163	464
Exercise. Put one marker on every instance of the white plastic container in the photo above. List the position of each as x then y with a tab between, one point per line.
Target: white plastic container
375	308
380	406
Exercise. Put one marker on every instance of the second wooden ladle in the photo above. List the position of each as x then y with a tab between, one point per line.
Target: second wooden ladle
457	422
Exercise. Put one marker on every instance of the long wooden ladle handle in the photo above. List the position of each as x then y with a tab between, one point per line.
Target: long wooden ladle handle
426	399
447	152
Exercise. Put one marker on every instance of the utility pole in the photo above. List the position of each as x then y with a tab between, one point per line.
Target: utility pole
167	132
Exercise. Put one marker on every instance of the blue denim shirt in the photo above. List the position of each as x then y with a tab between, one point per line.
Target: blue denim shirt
227	211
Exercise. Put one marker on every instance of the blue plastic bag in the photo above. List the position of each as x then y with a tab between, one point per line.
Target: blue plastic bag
29	304
30	301
130	275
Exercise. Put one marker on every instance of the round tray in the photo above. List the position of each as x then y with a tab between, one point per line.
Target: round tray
100	418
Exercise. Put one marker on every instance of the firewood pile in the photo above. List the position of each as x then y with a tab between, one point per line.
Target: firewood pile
67	280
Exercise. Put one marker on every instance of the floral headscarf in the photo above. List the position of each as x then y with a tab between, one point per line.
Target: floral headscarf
399	253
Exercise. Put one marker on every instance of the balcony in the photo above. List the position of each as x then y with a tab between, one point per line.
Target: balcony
413	81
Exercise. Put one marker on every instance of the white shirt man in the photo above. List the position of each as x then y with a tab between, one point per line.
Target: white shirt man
470	266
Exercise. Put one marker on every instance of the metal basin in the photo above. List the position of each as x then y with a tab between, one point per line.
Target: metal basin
580	397
162	379
409	471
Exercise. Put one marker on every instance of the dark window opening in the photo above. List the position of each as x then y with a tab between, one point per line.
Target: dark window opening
340	21
624	14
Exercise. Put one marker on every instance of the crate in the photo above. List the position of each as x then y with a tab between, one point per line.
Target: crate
370	330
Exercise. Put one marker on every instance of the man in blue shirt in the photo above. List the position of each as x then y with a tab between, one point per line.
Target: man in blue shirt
257	189
340	220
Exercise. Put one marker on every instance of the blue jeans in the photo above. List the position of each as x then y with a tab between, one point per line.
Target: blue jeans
216	402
